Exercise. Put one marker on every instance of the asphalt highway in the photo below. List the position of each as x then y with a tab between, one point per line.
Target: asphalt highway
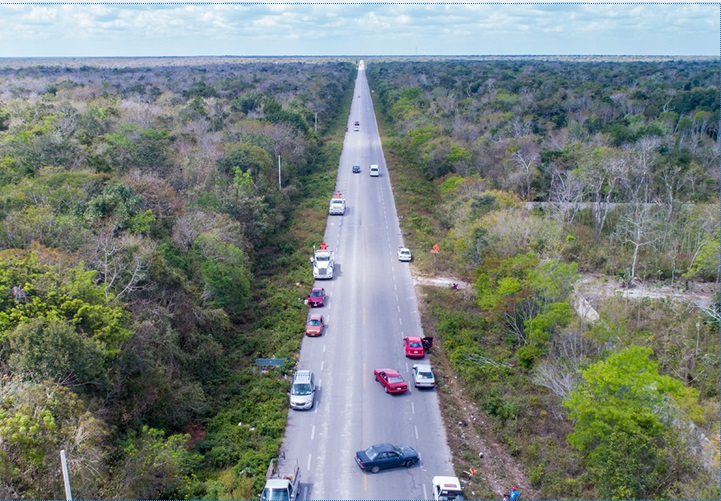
371	306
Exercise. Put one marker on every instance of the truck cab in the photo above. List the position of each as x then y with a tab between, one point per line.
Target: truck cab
337	207
447	489
282	481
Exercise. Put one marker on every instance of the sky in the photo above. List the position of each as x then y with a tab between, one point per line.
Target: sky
343	28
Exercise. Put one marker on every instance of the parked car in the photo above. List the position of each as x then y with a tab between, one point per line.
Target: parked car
423	376
413	346
316	297
302	390
404	254
390	380
356	169
314	325
379	457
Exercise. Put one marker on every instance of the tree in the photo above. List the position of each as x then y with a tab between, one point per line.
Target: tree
48	349
223	268
154	467
53	293
623	410
36	422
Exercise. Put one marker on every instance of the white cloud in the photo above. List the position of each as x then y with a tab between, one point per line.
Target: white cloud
348	29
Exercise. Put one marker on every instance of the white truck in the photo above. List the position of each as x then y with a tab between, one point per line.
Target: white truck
337	207
282	482
323	262
447	489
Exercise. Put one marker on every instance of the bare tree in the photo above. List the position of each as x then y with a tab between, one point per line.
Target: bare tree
566	193
526	158
122	262
601	175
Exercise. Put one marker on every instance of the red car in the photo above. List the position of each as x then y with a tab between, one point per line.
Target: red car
314	325
391	380
316	297
414	347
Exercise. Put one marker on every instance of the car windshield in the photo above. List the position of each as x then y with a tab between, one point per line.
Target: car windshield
314	322
450	496
322	258
405	252
316	293
301	389
415	344
395	379
425	375
371	453
274	495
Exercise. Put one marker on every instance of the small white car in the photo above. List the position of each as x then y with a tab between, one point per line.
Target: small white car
404	254
423	376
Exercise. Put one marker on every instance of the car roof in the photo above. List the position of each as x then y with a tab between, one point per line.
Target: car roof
423	367
302	375
384	447
316	289
404	249
315	316
390	372
413	338
447	482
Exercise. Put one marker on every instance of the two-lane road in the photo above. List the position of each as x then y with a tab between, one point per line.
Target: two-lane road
371	306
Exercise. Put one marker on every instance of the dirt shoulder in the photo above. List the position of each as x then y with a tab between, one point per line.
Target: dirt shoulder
483	464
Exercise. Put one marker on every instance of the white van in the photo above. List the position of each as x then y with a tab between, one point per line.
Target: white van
302	390
374	171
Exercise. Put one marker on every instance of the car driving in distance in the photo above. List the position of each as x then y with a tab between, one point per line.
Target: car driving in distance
356	169
316	297
390	380
381	456
404	254
423	376
413	347
314	325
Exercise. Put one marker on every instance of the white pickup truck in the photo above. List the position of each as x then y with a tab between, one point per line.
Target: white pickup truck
447	489
336	207
282	482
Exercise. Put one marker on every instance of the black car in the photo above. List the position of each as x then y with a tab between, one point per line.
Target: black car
356	169
377	457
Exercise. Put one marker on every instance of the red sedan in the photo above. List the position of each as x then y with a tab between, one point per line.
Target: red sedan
316	297
314	325
413	346
390	380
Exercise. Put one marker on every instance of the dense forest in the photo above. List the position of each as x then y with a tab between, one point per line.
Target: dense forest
143	228
151	250
532	175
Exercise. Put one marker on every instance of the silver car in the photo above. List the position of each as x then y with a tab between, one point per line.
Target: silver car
302	390
423	376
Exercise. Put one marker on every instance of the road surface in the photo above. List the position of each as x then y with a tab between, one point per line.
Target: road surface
371	306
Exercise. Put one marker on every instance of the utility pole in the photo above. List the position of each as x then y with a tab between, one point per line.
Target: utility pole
66	476
279	183
315	125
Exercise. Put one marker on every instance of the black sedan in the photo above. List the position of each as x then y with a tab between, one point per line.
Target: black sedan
381	456
356	169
